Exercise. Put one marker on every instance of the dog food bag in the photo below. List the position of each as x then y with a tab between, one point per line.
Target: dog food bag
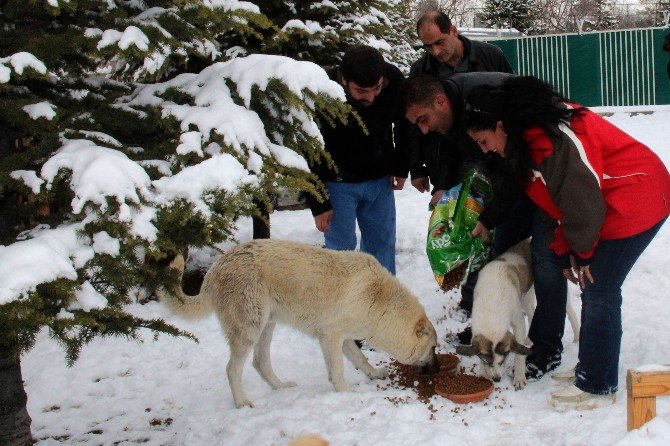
452	252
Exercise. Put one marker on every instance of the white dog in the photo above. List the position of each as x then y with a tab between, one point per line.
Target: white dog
335	296
503	293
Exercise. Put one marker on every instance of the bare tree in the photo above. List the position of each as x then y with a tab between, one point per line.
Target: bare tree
461	12
560	16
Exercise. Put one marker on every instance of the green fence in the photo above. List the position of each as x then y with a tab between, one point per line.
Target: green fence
626	67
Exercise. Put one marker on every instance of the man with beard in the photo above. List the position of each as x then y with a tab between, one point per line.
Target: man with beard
370	163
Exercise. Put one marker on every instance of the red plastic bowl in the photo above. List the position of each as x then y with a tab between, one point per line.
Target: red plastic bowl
466	398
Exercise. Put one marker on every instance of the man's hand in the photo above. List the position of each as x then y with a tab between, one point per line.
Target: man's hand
480	230
421	184
397	183
322	221
436	197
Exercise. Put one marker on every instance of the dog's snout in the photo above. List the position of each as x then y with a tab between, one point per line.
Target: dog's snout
432	367
496	379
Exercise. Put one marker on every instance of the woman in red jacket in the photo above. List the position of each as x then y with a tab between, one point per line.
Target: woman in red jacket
605	194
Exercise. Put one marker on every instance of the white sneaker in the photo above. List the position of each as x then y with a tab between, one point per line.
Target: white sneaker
572	397
567	376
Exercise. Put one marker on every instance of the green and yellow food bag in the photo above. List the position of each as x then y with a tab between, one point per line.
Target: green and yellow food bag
452	252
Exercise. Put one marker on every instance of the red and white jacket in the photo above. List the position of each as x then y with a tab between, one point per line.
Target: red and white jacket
595	182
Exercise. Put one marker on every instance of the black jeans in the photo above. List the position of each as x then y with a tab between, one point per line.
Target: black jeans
551	287
517	227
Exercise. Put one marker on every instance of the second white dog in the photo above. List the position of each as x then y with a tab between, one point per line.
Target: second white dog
504	292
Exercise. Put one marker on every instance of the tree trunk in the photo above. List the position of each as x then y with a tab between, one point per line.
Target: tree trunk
14	418
261	226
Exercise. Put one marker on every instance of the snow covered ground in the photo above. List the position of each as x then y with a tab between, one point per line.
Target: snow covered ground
167	391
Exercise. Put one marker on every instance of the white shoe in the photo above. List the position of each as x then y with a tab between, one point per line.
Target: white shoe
572	397
567	376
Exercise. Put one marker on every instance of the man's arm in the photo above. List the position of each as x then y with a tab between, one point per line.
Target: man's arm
400	157
506	195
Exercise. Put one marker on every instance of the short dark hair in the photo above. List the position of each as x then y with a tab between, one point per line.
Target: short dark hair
363	65
419	89
439	18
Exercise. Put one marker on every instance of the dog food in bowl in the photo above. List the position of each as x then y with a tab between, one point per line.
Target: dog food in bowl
408	377
448	362
463	388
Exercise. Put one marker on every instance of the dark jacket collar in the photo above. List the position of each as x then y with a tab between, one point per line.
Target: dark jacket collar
469	57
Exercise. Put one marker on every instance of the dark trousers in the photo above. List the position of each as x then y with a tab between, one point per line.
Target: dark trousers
551	291
600	337
515	228
551	287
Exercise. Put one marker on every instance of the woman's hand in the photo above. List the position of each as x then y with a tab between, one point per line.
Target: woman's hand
577	273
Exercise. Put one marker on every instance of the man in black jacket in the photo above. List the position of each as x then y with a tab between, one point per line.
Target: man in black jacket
447	53
451	103
369	166
438	106
443	159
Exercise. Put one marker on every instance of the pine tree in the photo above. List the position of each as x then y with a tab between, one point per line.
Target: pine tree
321	31
123	90
518	14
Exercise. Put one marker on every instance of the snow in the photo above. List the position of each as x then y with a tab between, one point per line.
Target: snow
380	44
323	4
103	243
102	137
29	178
653	368
43	258
40	110
230	5
310	27
142	225
132	35
173	391
88	299
190	142
19	62
218	172
98	172
215	111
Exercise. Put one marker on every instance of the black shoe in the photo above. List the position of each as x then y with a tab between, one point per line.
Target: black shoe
536	367
465	336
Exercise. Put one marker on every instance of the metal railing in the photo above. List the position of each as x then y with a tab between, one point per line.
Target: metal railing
622	67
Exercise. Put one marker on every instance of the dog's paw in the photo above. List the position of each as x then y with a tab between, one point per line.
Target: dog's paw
520	383
379	373
244	403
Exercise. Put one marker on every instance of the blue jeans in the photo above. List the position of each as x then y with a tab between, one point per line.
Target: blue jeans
600	336
372	204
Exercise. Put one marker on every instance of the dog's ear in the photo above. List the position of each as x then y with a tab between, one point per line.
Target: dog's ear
466	350
506	344
423	328
520	349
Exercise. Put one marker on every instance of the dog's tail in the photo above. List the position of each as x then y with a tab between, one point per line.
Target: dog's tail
187	307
